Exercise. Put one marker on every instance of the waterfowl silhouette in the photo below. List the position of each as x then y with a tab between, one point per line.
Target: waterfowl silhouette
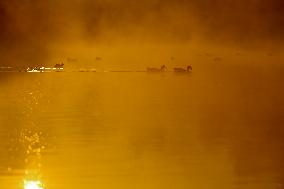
72	59
188	69
59	65
217	59
162	69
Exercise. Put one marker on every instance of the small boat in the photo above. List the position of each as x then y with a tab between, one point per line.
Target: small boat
162	69
182	70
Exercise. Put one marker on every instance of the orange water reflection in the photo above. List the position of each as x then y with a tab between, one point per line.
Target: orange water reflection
33	184
76	130
32	141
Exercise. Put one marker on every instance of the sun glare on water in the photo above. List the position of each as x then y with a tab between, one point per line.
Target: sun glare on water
33	185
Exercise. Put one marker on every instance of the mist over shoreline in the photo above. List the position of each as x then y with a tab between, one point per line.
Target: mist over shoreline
33	31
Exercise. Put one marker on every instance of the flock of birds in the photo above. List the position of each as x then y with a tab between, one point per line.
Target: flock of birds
60	67
70	61
164	68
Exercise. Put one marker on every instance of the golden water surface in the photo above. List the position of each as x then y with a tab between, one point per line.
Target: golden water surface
218	129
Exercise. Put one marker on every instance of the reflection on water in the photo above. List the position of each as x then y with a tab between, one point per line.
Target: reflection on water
34	148
219	129
32	184
26	143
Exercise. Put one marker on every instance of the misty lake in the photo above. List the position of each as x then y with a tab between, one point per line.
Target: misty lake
218	129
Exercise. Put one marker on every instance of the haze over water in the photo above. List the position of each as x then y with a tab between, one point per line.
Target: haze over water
99	120
220	128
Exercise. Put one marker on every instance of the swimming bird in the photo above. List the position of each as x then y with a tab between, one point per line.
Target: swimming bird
188	69
72	59
59	65
162	69
217	59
